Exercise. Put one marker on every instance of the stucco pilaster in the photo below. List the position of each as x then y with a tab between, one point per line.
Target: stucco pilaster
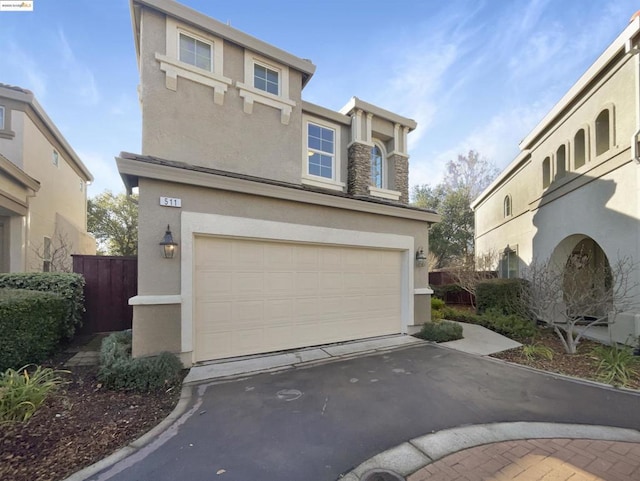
400	165
359	169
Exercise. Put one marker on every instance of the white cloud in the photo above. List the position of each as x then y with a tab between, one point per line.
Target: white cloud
79	76
25	70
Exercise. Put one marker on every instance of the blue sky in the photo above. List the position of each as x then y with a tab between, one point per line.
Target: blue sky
474	74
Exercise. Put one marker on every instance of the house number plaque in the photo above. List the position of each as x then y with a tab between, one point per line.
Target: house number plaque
170	202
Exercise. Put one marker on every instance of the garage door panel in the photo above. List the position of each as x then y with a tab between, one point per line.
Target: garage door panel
256	296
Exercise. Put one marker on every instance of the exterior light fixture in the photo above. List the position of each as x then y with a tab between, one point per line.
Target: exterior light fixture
168	244
421	259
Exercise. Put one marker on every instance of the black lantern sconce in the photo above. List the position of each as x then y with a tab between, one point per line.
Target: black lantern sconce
168	244
421	259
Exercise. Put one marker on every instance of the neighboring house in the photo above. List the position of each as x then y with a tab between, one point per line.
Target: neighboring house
292	220
574	187
43	189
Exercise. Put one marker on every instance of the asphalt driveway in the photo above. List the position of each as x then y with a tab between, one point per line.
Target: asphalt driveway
312	424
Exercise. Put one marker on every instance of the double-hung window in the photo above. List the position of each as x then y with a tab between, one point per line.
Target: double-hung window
195	52
267	79
321	151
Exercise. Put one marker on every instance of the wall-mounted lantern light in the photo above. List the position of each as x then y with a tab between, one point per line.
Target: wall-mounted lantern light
421	259
168	244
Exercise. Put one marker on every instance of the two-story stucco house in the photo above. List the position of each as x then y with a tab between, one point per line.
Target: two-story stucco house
291	220
43	189
574	187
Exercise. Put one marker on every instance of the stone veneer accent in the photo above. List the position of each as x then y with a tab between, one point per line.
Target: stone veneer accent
359	169
400	165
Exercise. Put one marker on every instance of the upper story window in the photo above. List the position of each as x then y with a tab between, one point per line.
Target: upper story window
580	149
377	169
196	52
603	132
267	79
321	151
506	206
561	161
54	158
1	118
546	172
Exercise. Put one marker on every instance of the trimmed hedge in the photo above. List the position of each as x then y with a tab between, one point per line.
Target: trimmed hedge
119	371
512	325
30	325
500	294
440	331
69	286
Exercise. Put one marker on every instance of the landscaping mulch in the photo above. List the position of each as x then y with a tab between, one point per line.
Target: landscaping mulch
583	364
78	425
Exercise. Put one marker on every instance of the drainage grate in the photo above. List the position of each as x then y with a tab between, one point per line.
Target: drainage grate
380	475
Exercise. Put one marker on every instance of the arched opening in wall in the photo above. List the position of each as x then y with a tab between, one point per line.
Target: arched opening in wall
546	172
507	206
377	167
603	132
579	149
561	161
587	281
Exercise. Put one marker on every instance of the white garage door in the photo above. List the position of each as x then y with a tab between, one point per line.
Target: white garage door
253	296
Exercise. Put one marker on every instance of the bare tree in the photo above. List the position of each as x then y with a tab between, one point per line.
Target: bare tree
469	272
54	254
574	297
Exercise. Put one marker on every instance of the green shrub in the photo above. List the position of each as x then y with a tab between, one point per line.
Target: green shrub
441	291
437	305
441	331
512	325
69	286
119	371
22	392
533	351
30	326
616	366
501	294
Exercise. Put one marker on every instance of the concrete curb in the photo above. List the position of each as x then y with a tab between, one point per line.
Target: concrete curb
409	457
134	446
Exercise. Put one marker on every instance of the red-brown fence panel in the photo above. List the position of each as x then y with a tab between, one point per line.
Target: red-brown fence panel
110	282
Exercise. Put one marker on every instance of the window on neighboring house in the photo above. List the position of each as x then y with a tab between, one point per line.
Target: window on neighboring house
509	264
1	118
507	206
579	149
603	132
81	185
266	79
321	151
54	158
46	255
377	170
561	161
195	52
546	172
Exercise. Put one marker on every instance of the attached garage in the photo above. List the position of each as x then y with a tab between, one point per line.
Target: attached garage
254	296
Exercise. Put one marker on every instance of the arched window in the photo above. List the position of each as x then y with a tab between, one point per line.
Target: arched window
579	149
603	132
507	206
377	167
546	172
561	161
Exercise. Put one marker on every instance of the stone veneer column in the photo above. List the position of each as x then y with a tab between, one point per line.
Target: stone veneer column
359	169
401	175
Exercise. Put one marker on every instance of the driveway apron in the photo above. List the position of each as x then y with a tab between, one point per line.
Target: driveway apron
314	423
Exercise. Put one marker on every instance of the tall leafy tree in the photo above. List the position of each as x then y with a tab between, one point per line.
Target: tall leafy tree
113	221
451	240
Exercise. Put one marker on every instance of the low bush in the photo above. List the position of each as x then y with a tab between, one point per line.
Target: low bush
501	294
22	392
616	365
437	305
440	331
69	286
30	326
512	326
119	371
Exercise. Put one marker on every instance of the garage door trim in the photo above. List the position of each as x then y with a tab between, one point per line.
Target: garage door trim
194	223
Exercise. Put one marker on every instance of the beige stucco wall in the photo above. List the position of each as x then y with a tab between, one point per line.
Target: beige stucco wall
187	125
158	276
598	199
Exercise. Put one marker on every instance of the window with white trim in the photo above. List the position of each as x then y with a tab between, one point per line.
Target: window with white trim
196	52
377	167
55	158
321	151
267	79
